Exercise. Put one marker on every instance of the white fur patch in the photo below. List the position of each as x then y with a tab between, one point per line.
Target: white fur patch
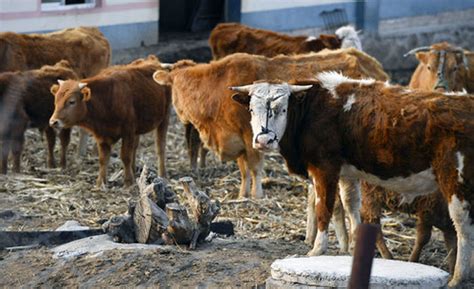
410	187
332	79
310	38
349	37
387	83
460	160
459	212
463	92
350	101
320	244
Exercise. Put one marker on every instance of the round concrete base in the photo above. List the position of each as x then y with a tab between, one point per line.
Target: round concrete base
334	272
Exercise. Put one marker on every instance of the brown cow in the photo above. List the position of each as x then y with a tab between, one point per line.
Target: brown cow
25	98
411	142
228	38
431	211
86	49
443	67
201	98
121	102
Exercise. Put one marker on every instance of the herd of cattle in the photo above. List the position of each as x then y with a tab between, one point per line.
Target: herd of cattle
322	102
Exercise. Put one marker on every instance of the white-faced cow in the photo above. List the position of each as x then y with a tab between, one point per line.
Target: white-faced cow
412	142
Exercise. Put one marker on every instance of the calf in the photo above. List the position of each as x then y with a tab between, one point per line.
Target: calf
411	142
228	38
443	67
121	102
431	211
25	99
86	49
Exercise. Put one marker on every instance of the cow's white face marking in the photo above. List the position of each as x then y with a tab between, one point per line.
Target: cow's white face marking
268	108
460	167
350	101
310	38
419	184
332	79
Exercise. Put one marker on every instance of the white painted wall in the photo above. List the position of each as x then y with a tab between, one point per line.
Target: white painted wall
265	5
7	6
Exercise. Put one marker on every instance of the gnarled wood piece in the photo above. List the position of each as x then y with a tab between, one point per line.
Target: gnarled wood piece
150	220
121	228
162	194
203	210
180	229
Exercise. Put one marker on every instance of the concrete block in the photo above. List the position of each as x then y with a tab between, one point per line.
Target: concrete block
334	272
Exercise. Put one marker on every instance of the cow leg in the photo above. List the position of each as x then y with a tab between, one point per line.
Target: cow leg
17	149
255	164
450	241
126	154
325	184
423	236
311	221
4	156
65	138
339	221
202	156
51	141
160	143
244	177
459	212
192	144
134	156
349	191
104	156
82	147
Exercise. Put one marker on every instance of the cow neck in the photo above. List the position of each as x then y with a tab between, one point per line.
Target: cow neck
301	113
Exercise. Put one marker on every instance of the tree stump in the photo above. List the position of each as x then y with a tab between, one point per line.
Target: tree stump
180	229
203	210
121	228
150	220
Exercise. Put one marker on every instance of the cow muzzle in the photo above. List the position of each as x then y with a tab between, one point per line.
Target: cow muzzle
266	141
56	123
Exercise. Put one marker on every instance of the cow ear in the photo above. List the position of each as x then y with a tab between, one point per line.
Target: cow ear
54	89
241	98
422	57
162	77
86	93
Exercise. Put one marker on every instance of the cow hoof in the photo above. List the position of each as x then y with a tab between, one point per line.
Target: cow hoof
316	252
454	283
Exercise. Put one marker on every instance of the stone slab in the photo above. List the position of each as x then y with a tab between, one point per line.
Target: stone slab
96	245
334	272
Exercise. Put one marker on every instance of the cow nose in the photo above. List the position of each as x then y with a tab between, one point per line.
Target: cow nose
264	140
53	123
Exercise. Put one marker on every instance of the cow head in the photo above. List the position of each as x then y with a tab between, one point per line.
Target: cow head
268	106
442	67
70	99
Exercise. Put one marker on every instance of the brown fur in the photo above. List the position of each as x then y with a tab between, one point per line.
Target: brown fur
201	95
456	75
122	102
25	99
228	38
86	49
417	129
431	211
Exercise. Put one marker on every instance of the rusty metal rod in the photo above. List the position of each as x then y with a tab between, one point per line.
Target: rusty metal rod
363	256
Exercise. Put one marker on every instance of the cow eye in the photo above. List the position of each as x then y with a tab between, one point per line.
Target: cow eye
72	102
429	67
284	110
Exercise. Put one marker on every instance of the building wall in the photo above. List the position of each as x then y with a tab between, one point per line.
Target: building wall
281	15
126	23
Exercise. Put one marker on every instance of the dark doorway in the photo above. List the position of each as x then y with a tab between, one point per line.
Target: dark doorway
189	16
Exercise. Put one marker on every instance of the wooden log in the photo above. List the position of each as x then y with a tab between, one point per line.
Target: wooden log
121	228
203	210
150	220
162	194
180	229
